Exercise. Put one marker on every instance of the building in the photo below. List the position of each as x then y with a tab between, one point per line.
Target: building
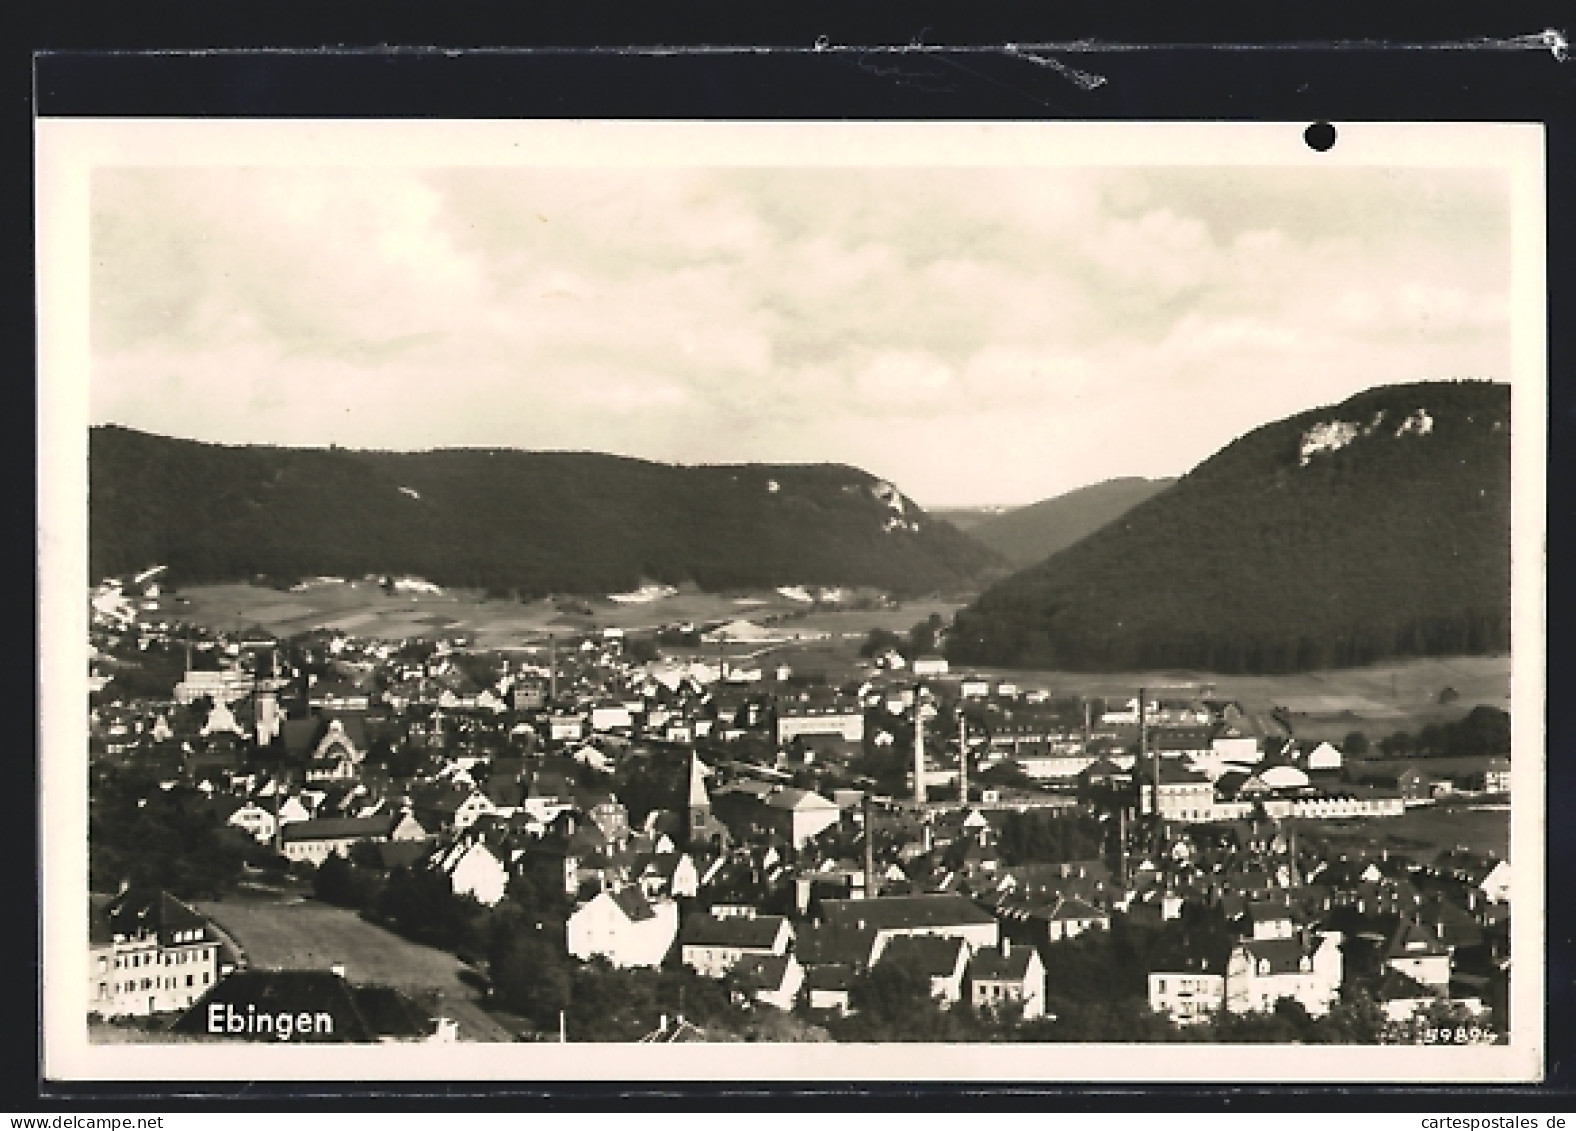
844	718
1188	998
475	870
1306	968
712	944
893	916
944	959
930	665
147	953
1008	977
624	927
221	686
314	840
799	814
1416	949
1183	794
771	979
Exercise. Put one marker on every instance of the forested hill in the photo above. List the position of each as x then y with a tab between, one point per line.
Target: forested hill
1378	527
1033	533
534	522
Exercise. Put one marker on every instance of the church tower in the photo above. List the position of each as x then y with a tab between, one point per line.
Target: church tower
701	829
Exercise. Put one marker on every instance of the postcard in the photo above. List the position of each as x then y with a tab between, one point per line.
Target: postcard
863	601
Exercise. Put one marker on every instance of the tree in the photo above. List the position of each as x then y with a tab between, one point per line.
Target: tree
530	972
1355	744
879	641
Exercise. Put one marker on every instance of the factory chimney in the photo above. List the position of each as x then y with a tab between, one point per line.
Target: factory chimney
919	748
870	845
552	669
963	757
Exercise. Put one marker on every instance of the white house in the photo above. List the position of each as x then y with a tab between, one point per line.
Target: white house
148	953
1306	969
1416	950
474	870
623	927
255	821
1187	997
1008	977
712	944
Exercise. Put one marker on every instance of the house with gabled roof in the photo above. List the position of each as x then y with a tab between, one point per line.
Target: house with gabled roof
474	869
712	944
308	1006
771	979
317	839
148	953
624	927
1306	968
1008	977
943	959
1416	949
948	915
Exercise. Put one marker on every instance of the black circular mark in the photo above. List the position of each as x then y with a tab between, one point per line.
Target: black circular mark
1320	136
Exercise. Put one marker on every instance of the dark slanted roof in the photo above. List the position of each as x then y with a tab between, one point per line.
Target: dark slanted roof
340	828
760	971
933	954
99	931
829	976
899	912
140	911
1396	986
823	944
741	931
1284	955
1413	938
634	905
989	964
389	1013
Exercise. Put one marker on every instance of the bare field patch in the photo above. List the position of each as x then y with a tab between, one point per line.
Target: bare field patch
1423	833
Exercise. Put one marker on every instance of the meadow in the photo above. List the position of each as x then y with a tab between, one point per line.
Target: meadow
302	934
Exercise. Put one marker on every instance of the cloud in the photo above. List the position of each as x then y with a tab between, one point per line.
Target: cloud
975	335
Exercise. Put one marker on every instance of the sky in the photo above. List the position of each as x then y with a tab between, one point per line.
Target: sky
975	335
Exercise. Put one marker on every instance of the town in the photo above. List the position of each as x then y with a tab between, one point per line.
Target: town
695	834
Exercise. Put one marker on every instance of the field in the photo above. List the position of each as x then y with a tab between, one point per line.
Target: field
360	608
297	934
1424	832
1378	700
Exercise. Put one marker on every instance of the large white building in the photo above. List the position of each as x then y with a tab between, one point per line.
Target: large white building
148	953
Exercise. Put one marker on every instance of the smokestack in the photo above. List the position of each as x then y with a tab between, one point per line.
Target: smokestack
1121	836
919	748
1143	754
870	846
552	669
1086	726
963	757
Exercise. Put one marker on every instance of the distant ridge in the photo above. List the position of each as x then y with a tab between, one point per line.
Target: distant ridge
1340	536
505	520
1033	533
